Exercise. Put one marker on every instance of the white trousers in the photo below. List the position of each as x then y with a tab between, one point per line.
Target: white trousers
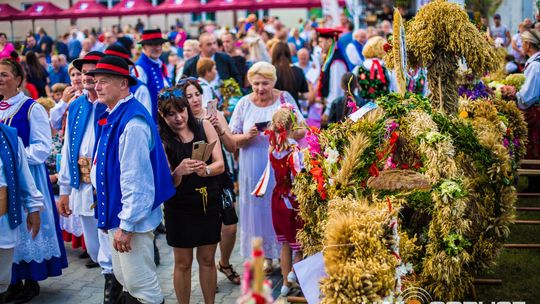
97	243
90	232
6	261
136	270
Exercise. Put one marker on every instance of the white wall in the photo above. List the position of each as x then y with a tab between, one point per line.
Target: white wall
514	11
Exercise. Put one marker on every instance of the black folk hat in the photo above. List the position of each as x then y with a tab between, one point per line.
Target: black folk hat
116	49
91	57
152	37
113	65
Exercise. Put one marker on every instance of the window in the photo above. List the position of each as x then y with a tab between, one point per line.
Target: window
104	2
197	17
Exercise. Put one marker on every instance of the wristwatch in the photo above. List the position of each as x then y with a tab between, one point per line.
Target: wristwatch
208	171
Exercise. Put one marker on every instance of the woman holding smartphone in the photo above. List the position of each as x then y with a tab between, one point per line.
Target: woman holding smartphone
192	216
249	119
194	94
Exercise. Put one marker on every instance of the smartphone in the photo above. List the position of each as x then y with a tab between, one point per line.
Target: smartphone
262	126
211	108
198	150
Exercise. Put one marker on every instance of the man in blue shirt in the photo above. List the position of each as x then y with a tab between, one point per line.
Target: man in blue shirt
74	46
57	72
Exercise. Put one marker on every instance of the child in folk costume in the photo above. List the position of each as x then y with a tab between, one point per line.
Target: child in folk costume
285	159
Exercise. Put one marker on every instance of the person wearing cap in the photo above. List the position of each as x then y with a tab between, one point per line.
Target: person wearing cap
528	97
151	70
132	179
18	193
140	90
500	31
33	261
76	192
333	67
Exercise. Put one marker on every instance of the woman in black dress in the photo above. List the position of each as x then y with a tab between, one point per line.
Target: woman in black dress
192	216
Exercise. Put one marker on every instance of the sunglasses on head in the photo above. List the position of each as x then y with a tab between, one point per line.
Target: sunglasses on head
183	81
177	93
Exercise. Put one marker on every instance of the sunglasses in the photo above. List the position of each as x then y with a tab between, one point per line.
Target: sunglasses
177	93
183	81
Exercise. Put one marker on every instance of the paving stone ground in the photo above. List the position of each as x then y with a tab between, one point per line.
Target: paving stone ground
80	285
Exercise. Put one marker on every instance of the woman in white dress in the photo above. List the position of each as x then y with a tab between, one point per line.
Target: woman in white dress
248	122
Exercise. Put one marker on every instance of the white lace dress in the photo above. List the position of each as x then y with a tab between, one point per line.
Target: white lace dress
255	213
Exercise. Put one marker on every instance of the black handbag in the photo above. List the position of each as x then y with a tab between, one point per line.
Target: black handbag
228	213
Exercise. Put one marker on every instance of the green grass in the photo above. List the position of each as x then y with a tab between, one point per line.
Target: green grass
518	268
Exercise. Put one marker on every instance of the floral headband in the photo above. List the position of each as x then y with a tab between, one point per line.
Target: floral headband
177	93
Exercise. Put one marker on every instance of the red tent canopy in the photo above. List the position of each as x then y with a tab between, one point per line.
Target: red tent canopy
178	6
40	10
7	12
268	4
132	7
223	5
85	9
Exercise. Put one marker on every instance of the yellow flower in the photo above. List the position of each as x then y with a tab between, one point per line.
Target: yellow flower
464	114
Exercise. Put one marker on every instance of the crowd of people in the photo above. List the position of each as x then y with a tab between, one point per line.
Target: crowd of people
108	134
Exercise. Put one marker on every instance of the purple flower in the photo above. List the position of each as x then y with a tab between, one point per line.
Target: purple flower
506	143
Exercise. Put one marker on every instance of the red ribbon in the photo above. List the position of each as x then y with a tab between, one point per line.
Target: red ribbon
152	36
257	253
4	105
116	53
377	65
164	70
110	67
276	141
92	57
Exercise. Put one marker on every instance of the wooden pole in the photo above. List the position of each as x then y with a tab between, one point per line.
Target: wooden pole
258	260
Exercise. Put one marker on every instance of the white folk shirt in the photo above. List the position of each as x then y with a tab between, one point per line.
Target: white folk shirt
32	199
80	200
137	177
40	129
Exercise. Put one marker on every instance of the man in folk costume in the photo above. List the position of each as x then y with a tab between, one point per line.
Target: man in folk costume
333	67
528	98
141	93
76	191
17	192
132	179
140	90
152	71
35	259
56	115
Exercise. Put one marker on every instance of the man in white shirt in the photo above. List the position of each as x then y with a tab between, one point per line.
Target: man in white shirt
132	179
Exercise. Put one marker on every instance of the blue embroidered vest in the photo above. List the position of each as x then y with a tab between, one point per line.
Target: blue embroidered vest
9	155
21	121
155	80
325	76
80	111
109	196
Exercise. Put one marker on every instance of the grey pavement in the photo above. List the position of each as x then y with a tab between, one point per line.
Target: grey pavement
85	286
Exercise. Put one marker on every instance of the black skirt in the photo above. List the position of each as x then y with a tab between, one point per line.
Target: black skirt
193	215
190	222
